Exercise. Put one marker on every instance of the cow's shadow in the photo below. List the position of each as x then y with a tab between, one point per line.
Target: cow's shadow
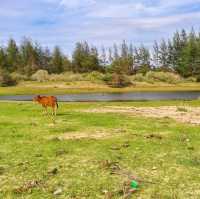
63	114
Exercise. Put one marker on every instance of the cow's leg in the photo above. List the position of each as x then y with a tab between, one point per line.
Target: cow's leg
54	110
46	112
43	111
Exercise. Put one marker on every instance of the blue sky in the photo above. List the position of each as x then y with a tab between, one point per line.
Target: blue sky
64	22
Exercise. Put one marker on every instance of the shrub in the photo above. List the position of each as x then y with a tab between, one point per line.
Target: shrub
191	79
167	77
119	80
19	77
144	69
41	76
6	79
57	77
67	77
94	76
138	78
198	78
107	77
74	77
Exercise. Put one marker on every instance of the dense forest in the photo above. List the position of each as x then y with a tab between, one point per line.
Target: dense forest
180	54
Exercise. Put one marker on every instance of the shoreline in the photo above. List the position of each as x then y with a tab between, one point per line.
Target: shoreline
59	88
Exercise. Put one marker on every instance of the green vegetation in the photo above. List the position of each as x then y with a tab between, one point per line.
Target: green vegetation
6	79
69	82
60	87
173	60
39	159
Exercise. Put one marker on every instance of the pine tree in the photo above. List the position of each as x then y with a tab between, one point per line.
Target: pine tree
176	49
115	52
163	54
189	59
3	64
85	59
45	59
110	56
103	58
183	38
124	50
156	54
12	56
131	51
28	57
57	61
67	65
142	59
170	54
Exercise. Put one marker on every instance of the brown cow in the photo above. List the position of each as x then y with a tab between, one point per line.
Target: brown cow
47	101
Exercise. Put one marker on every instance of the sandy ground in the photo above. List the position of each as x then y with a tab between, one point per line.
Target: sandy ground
184	114
103	134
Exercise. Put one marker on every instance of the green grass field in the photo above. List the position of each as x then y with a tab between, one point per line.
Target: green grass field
35	163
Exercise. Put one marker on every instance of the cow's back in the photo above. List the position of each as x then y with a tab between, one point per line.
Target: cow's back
48	101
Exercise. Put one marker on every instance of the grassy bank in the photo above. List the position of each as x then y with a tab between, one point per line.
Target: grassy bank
29	87
88	154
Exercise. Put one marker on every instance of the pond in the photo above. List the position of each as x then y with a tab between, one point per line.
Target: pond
103	97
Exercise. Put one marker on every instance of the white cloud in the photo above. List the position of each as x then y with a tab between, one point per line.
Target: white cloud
76	3
99	22
176	3
139	9
158	22
121	10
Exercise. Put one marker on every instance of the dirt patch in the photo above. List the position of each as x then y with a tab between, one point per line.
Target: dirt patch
184	114
28	186
82	135
154	136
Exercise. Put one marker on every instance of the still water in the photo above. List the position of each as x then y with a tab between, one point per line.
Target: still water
103	97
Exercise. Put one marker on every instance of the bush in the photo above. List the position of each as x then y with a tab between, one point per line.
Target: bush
107	78
70	77
138	78
198	78
191	79
6	79
94	76
166	77
144	69
41	76
19	77
119	80
67	77
57	77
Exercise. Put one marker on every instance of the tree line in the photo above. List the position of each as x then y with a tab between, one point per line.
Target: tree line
180	54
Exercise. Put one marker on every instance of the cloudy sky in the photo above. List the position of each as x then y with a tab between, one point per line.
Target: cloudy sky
64	22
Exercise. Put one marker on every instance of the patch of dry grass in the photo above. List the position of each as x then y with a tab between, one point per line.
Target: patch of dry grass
181	114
